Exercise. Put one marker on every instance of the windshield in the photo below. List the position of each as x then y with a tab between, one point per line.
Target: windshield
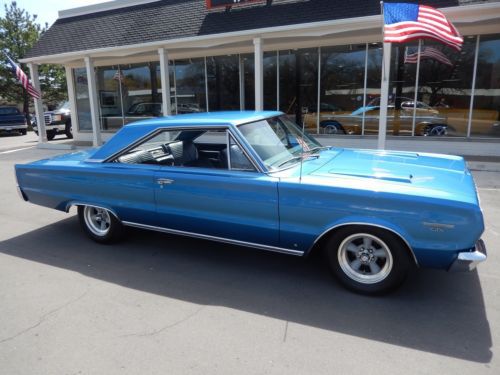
9	111
278	141
63	106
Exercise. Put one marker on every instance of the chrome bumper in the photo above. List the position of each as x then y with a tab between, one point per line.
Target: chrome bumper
468	260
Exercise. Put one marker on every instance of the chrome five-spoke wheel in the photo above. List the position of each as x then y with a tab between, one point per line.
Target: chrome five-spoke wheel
97	219
368	259
365	258
100	224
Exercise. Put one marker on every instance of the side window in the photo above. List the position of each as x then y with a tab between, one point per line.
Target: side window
199	148
237	160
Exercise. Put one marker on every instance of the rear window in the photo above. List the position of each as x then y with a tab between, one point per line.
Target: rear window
9	111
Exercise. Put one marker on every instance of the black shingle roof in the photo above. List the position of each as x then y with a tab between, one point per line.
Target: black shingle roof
172	19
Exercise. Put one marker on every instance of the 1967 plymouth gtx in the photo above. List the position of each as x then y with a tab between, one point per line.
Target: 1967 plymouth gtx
255	179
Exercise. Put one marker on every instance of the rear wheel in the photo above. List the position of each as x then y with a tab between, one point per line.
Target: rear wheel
368	260
332	127
100	224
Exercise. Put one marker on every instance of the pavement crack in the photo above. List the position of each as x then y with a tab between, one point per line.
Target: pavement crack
168	326
43	318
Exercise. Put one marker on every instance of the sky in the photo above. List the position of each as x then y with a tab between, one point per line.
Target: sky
47	9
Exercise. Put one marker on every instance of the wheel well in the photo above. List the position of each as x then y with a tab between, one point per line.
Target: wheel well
79	204
320	241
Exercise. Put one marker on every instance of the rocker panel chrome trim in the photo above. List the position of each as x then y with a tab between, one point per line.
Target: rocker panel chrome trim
214	238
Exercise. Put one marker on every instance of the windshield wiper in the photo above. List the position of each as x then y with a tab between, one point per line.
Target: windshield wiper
319	148
298	157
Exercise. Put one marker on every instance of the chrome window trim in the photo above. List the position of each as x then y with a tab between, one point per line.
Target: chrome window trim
365	224
214	238
227	128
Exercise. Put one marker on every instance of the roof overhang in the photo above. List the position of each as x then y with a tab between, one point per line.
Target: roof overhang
469	19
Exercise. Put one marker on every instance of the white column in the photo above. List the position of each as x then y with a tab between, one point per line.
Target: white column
94	104
259	74
165	82
40	119
384	95
72	99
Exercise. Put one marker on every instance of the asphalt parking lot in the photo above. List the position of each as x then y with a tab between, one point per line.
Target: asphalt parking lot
160	304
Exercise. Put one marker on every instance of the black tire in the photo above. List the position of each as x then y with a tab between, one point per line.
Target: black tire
68	130
24	131
354	262
51	135
100	224
332	127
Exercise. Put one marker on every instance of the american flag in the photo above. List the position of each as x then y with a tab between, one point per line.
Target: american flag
405	21
23	78
429	53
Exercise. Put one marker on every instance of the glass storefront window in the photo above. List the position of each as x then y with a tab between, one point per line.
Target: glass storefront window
223	83
109	97
486	112
190	86
342	90
82	99
270	83
299	83
249	80
445	84
288	83
140	84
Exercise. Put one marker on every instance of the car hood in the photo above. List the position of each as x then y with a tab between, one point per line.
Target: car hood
430	175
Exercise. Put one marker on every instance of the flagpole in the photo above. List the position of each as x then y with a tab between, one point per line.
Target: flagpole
417	79
384	88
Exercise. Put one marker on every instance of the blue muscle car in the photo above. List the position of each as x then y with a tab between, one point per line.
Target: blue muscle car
255	179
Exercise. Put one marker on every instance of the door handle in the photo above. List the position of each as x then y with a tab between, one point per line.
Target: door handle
164	181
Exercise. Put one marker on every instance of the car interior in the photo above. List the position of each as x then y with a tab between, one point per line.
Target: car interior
189	149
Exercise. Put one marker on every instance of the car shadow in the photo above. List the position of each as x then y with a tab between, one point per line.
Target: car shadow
434	311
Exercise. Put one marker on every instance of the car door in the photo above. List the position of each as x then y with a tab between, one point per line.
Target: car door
230	203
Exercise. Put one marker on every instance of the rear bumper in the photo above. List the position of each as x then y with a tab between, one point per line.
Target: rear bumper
468	260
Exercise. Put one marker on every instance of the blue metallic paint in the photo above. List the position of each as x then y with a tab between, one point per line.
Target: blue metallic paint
403	192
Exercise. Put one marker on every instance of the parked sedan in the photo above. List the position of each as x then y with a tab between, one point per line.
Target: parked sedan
254	179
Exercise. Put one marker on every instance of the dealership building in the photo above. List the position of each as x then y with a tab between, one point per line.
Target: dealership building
318	61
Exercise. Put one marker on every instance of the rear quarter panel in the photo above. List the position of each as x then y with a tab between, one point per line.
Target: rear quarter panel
127	190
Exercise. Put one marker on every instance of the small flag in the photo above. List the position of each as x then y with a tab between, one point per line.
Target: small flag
406	21
23	78
118	76
429	53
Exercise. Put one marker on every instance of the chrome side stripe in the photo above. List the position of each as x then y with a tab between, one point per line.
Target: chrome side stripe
213	238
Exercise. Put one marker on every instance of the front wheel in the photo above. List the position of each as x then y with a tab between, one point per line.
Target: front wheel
100	224
68	130
368	260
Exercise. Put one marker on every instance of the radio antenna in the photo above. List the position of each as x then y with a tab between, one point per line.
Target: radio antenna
302	145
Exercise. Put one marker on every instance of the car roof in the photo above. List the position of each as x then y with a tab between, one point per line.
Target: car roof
207	118
131	133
